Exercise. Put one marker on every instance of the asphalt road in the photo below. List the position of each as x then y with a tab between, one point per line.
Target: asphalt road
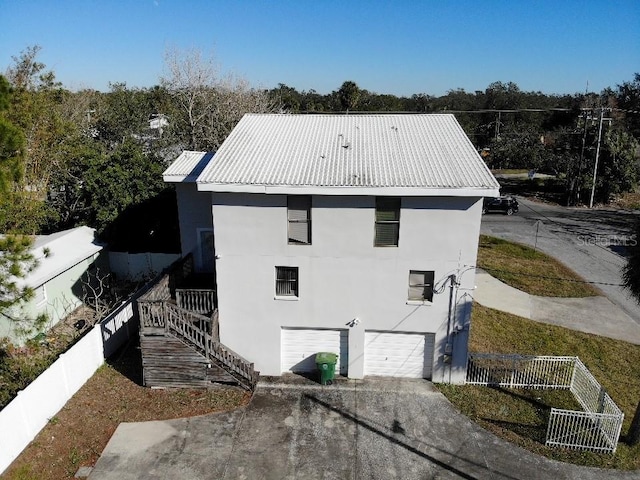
590	242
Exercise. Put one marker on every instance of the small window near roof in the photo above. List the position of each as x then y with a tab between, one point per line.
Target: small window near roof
421	285
286	281
299	219
40	296
387	222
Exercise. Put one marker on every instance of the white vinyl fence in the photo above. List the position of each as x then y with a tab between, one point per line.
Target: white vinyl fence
597	428
138	266
29	412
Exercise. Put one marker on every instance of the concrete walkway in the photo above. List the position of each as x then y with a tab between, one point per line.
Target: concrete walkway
597	315
355	429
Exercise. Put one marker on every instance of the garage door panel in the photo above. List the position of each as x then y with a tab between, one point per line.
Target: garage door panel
299	347
393	354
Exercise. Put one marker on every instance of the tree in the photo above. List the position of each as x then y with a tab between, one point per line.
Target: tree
111	183
518	147
11	144
618	169
35	109
628	99
209	105
69	199
16	261
287	98
349	95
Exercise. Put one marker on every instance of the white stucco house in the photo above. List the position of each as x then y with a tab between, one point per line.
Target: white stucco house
354	234
63	259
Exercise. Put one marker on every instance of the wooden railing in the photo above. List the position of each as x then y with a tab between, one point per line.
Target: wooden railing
181	323
196	300
151	314
158	292
185	319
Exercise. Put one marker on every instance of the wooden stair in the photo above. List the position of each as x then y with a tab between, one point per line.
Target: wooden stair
181	348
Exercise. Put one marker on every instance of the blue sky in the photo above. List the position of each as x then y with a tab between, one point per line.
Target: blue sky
398	47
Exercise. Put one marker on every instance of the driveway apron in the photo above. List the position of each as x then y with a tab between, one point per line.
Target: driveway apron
371	429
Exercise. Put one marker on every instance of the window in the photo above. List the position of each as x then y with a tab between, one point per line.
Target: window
387	222
286	281
206	257
299	219
421	286
40	296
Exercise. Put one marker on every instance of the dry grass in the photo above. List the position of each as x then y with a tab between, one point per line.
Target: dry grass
529	270
627	201
77	435
509	171
520	416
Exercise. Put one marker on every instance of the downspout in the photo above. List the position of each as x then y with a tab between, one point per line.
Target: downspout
448	348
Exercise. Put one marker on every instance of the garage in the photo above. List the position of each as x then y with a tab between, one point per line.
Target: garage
394	354
300	345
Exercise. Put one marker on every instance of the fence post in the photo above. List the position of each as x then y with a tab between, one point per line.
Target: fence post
601	397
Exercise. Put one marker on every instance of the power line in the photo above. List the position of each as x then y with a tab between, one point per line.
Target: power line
516	110
536	110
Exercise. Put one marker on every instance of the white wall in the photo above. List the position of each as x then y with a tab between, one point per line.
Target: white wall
138	266
194	210
62	293
342	275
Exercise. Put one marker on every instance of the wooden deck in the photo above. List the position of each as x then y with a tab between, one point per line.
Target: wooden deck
179	337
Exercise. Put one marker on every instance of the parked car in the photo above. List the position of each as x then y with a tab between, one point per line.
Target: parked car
505	204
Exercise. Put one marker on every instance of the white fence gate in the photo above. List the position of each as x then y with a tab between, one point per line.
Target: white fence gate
597	428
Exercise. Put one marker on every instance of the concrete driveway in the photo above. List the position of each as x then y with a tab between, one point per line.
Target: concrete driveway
371	429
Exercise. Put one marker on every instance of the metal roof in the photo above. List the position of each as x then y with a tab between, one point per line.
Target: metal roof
64	250
187	166
379	154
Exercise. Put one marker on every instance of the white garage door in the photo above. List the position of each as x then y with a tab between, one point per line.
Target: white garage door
299	347
395	354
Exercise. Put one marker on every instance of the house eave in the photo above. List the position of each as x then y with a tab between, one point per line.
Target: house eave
179	178
351	191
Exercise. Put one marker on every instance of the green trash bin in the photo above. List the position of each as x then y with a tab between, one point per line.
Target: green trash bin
326	363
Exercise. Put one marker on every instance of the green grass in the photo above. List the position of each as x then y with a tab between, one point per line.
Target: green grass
521	416
529	270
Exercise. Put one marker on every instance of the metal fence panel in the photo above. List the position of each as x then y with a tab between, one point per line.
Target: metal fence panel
520	371
597	428
583	430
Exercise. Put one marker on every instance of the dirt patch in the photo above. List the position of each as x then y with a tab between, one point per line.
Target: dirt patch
77	435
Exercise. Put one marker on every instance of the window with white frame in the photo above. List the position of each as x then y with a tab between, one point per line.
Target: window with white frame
387	222
421	285
287	281
40	296
299	219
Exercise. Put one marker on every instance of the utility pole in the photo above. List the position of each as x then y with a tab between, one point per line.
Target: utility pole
584	141
595	167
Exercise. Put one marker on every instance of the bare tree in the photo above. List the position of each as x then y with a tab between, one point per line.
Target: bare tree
210	105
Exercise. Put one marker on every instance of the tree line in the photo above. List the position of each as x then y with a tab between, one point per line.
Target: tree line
70	158
85	157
